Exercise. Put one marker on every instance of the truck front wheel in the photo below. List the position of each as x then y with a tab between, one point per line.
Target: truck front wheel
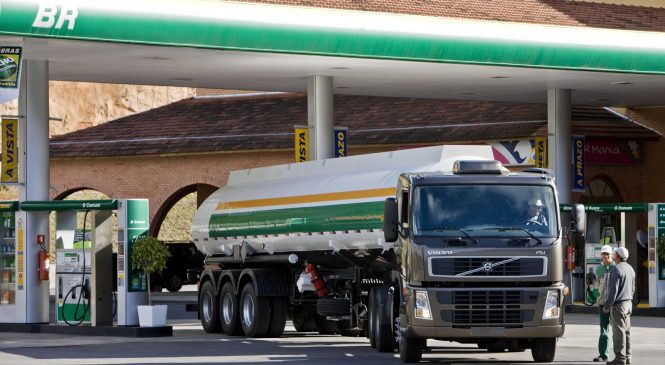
208	308
543	349
411	349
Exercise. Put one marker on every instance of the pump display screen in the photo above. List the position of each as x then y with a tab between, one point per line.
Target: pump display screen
474	212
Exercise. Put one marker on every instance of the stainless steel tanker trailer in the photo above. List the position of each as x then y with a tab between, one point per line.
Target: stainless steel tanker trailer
404	246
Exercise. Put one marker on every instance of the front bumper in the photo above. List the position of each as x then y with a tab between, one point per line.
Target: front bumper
466	313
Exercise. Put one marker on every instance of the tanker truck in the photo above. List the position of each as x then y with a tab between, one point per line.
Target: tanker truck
403	246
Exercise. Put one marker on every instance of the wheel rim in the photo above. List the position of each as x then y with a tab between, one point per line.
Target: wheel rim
207	307
227	308
248	310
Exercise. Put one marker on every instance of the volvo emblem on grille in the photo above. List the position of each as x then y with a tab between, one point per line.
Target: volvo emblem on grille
487	266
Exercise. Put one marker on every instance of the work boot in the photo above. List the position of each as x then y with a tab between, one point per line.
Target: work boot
616	362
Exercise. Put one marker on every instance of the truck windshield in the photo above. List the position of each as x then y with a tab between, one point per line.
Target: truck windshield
473	212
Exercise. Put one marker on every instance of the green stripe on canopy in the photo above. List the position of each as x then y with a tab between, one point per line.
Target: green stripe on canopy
206	25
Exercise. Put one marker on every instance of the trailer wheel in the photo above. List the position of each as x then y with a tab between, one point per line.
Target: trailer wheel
371	319
543	349
208	308
229	311
411	349
303	319
254	312
278	316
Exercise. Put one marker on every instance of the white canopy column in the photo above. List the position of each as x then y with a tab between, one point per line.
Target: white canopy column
32	301
559	140
320	116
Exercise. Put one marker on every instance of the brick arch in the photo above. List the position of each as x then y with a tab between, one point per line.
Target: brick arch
601	189
68	192
202	191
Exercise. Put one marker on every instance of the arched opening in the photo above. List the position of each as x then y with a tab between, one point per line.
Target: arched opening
600	190
173	220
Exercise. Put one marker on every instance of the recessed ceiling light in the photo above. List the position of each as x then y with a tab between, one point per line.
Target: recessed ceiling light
340	68
621	83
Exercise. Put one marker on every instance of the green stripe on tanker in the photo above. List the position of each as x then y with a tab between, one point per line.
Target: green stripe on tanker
344	217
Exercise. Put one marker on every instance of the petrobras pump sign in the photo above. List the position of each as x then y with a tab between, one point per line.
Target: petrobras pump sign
10	67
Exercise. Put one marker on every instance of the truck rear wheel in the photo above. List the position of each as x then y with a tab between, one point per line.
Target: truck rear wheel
254	312
229	311
277	316
371	319
208	308
411	349
543	349
383	326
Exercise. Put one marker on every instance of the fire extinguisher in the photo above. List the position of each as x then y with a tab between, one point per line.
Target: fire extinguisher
44	265
316	280
570	257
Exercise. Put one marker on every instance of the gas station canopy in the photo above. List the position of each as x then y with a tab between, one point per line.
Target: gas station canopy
217	44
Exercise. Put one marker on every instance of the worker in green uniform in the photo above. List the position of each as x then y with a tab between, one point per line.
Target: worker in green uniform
602	275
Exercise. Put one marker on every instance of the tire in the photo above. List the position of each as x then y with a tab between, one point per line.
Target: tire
333	306
411	350
173	282
254	312
303	319
371	319
383	332
229	311
278	306
208	311
543	349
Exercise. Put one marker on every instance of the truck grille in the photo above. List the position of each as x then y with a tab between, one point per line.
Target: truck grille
487	266
487	307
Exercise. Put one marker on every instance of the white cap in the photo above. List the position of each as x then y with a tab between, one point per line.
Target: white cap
536	202
623	252
606	249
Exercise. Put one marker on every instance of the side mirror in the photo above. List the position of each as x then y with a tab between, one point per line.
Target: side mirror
579	219
390	220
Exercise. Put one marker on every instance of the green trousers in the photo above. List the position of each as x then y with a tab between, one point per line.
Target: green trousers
604	337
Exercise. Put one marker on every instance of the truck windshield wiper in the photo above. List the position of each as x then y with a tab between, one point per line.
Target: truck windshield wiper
465	233
502	229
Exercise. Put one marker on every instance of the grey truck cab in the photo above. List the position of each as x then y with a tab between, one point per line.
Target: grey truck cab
480	259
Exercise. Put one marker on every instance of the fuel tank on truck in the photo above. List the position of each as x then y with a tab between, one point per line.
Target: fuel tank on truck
332	204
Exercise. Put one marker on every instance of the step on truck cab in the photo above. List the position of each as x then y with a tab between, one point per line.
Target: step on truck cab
479	254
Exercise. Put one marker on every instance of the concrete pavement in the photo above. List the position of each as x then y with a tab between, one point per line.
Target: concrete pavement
191	345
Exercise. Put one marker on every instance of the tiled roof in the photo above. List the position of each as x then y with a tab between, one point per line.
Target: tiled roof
555	12
260	122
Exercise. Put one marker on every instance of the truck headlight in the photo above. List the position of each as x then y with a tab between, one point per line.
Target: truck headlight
422	305
552	308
